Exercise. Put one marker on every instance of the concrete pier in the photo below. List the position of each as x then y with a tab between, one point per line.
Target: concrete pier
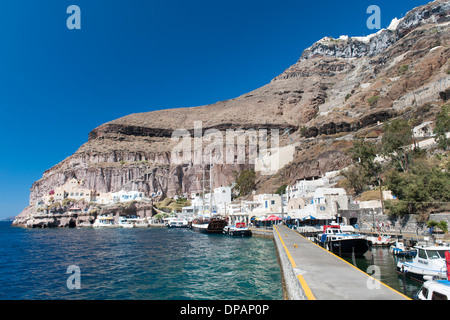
313	273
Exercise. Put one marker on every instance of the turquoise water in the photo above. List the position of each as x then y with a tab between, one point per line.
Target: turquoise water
386	272
136	264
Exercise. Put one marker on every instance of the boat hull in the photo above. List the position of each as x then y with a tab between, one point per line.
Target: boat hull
238	233
416	273
176	226
215	226
348	247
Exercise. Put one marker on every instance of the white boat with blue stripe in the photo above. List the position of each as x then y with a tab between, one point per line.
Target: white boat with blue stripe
429	261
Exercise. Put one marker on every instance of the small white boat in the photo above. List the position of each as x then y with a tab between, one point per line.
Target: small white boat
125	223
104	222
434	290
178	223
237	230
400	249
429	261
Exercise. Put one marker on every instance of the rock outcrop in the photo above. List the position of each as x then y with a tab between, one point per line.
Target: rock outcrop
338	88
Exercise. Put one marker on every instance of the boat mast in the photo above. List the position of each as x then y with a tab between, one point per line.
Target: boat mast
210	185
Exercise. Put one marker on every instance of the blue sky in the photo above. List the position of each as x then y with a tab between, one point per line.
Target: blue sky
56	84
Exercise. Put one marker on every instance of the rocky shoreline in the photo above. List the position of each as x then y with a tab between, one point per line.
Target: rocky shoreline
78	215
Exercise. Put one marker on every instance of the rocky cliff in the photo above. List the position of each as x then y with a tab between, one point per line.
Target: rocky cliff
338	89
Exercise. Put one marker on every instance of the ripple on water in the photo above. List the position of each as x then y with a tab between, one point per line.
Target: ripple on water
148	263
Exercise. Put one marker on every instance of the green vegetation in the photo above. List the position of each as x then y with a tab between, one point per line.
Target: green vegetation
281	190
397	135
442	127
421	185
372	101
245	182
68	201
171	205
348	96
440	225
424	186
403	69
365	172
54	205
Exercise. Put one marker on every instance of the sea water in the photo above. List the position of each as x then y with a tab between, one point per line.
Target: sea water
381	264
135	264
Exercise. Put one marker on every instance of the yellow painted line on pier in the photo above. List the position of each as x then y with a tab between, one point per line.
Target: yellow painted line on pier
354	267
303	283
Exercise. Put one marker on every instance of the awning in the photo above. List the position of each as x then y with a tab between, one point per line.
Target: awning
273	218
318	217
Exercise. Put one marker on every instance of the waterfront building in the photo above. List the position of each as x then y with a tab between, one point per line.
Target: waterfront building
126	196
218	200
241	211
305	188
72	189
325	202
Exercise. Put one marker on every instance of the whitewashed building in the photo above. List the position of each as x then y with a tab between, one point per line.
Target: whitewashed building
126	196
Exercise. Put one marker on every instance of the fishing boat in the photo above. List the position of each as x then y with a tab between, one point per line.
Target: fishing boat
341	242
237	230
104	222
429	261
400	249
433	289
178	223
214	224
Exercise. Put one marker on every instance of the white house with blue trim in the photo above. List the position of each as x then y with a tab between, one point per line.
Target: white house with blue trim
126	196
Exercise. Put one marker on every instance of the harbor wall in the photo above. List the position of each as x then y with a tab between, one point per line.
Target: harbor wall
407	224
262	233
291	285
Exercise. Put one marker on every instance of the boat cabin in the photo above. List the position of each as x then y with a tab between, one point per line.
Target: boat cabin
434	290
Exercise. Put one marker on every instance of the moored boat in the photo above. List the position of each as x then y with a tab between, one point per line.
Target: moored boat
214	224
429	261
400	249
178	223
343	244
434	290
237	230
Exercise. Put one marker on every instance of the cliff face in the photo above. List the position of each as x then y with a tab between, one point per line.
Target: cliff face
339	88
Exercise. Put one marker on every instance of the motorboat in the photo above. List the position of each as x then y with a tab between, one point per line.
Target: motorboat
237	230
178	223
103	221
434	290
400	249
429	261
342	243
